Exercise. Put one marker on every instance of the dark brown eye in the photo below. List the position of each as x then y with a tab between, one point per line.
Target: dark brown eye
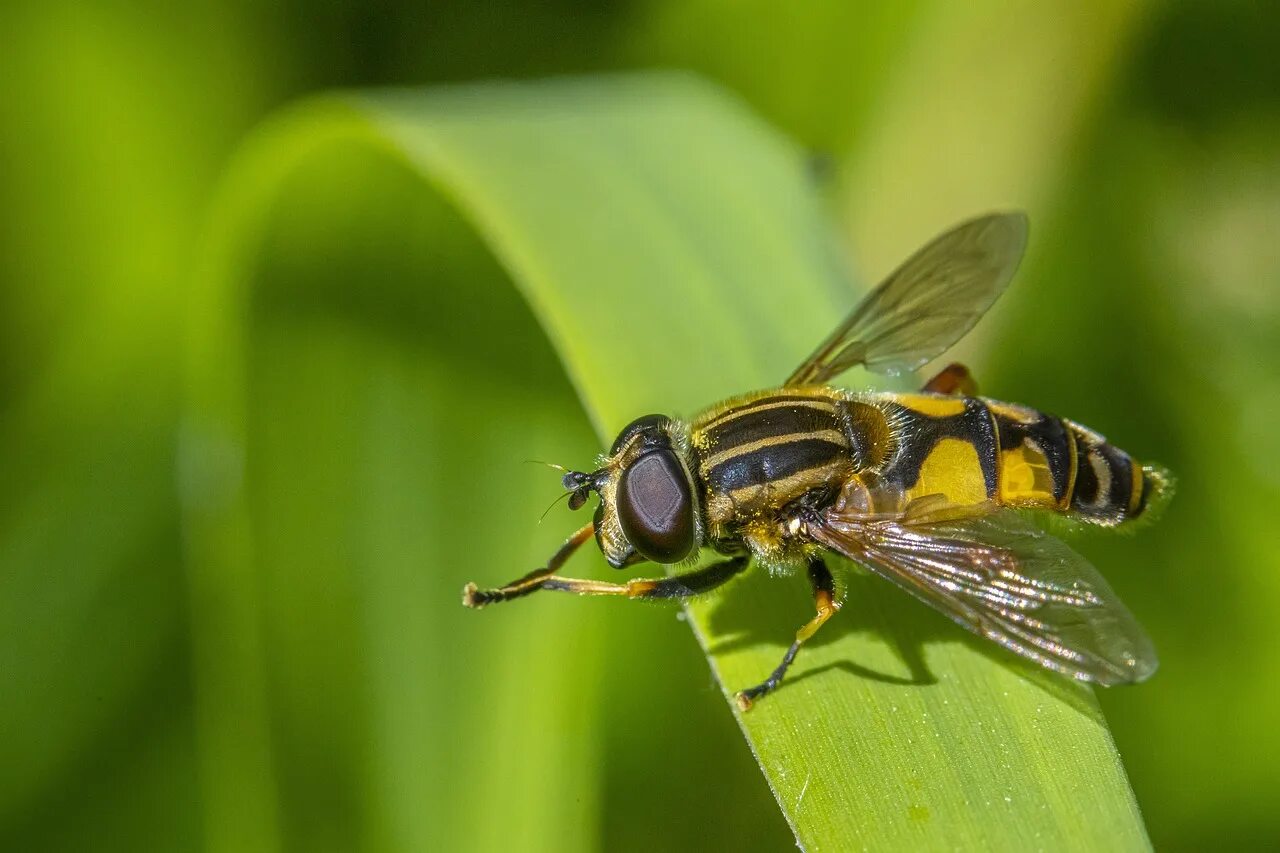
655	507
650	425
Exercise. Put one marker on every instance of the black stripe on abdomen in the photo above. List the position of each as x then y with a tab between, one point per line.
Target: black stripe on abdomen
1045	435
920	434
1104	485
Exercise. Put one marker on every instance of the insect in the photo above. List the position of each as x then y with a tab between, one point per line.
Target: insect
928	490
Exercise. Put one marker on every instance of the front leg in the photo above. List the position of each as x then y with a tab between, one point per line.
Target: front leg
530	583
678	586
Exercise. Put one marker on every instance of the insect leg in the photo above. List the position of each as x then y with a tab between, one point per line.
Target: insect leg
824	598
532	582
678	586
955	378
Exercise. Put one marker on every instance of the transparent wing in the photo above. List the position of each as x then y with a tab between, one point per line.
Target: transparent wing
927	304
1005	579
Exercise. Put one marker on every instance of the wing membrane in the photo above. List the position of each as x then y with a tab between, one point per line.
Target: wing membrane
1005	579
927	304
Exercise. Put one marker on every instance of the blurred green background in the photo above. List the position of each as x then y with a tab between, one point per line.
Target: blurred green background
1143	138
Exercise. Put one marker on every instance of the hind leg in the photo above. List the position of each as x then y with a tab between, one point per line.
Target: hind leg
954	379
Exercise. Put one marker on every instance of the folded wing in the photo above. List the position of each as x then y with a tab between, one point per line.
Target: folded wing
1005	579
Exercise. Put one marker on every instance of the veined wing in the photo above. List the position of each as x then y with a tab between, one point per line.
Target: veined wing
1004	579
927	304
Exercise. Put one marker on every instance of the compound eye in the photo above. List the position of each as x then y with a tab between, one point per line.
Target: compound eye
646	423
655	507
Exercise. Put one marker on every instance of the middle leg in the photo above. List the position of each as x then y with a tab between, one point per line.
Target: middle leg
824	599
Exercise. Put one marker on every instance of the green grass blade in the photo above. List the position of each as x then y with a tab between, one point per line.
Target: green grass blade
673	252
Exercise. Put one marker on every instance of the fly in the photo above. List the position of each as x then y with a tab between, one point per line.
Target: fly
927	490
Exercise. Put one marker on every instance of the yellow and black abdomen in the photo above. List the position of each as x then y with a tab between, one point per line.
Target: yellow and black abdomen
974	450
1054	463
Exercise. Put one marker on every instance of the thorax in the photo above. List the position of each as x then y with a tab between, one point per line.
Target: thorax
754	455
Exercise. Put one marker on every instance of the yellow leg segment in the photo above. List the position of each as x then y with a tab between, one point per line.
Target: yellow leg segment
824	599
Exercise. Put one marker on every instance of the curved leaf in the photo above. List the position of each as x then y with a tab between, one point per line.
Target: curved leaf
670	248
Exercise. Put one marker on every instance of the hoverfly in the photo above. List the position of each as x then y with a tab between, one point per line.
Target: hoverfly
927	490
